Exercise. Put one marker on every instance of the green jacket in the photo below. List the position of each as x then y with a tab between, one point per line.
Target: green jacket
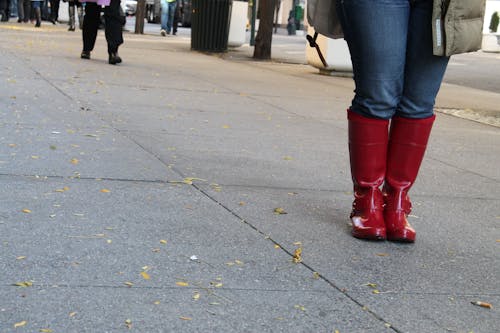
457	25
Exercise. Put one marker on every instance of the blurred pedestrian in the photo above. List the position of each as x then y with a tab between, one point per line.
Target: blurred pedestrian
23	10
4	10
54	11
167	16
399	51
36	9
177	17
71	13
112	28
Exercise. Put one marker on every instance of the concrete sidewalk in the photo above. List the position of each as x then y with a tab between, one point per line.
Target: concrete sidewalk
141	197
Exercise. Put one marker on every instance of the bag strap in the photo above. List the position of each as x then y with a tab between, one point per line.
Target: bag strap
312	43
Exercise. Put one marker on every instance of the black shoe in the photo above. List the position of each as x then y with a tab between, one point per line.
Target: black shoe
71	28
114	59
85	55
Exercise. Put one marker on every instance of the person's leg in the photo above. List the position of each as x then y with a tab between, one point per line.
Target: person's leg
177	17
424	72
171	12
27	10
164	15
113	30
38	12
20	11
3	11
71	14
79	10
411	127
54	7
91	22
376	32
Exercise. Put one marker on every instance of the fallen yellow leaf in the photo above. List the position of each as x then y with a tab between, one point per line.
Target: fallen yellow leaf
287	158
21	257
225	126
105	190
72	314
20	324
297	255
24	284
128	284
186	318
46	330
189	180
145	276
128	323
196	296
383	254
279	211
276	246
156	302
182	284
74	161
27	211
315	275
375	291
163	241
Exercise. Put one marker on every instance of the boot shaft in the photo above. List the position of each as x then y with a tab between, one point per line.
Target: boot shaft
407	144
367	149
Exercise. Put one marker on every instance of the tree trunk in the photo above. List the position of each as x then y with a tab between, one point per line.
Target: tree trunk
264	36
140	13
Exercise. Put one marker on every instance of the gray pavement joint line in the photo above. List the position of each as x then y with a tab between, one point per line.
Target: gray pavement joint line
193	287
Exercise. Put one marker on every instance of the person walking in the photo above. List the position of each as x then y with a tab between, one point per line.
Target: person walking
54	11
23	10
399	51
113	28
4	10
167	16
71	12
36	7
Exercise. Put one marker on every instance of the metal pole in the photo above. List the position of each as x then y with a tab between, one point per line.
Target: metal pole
252	23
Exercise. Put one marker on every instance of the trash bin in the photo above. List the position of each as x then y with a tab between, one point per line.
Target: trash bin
210	24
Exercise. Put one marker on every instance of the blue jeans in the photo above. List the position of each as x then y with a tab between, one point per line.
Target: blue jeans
167	14
395	72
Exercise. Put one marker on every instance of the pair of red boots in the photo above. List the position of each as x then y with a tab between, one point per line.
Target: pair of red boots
392	158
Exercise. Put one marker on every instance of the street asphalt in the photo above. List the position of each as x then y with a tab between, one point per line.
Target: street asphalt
145	197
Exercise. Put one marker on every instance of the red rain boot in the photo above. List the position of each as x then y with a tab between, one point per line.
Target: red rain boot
407	143
368	154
